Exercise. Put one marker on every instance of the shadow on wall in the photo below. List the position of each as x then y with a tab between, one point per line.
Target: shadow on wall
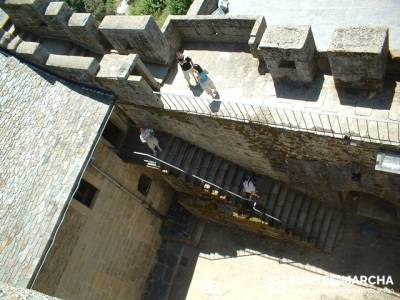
309	92
379	100
366	248
218	47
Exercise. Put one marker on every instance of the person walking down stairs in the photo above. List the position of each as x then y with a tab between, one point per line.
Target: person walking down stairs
147	136
249	188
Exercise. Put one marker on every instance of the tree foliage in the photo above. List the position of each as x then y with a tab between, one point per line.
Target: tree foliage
99	8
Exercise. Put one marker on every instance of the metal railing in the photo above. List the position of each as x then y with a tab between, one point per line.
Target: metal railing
198	179
277	115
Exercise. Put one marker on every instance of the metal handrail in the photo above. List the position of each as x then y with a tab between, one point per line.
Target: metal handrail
277	115
254	203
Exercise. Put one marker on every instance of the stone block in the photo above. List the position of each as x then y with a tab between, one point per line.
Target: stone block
56	16
289	53
117	73
358	57
33	52
77	68
84	32
256	35
26	14
137	34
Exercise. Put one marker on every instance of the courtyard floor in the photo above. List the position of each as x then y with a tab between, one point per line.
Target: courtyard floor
231	264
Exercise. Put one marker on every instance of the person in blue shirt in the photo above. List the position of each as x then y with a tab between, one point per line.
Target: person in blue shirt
205	81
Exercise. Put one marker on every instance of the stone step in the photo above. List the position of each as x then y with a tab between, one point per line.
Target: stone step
287	209
222	172
273	196
325	227
283	195
212	172
174	151
316	229
265	190
180	155
301	220
167	148
237	182
294	215
310	220
229	177
333	232
205	165
197	159
188	159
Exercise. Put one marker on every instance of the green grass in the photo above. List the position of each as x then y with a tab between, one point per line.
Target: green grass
159	9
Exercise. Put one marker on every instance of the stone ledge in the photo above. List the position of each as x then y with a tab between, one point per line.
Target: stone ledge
361	39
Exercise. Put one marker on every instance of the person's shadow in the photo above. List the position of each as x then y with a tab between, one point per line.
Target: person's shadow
215	104
196	90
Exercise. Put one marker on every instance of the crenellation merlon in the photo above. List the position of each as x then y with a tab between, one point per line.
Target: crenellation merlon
85	32
33	51
129	78
78	68
58	14
358	57
137	34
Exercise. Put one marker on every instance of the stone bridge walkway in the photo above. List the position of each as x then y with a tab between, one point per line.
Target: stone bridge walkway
240	77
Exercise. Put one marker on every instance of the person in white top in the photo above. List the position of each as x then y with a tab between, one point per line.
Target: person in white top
249	188
147	136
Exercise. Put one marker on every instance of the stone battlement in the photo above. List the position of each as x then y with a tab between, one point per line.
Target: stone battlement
83	46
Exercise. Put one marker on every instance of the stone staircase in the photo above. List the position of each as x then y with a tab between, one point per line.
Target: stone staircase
300	216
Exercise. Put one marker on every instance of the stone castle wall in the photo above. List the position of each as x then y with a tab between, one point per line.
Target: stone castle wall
141	35
295	157
107	251
316	165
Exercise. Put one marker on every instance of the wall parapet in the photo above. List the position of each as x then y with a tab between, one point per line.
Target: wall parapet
348	128
219	29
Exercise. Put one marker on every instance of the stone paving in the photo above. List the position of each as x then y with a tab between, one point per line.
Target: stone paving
325	16
240	77
47	130
230	264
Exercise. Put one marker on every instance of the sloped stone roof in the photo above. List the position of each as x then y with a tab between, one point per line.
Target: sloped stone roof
48	128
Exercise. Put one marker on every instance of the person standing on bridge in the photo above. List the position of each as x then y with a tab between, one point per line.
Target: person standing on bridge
205	81
186	64
147	136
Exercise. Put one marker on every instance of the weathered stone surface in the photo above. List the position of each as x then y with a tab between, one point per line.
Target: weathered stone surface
8	292
230	29
84	32
108	249
289	53
25	14
137	34
117	74
78	68
34	52
56	16
47	129
256	35
358	57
